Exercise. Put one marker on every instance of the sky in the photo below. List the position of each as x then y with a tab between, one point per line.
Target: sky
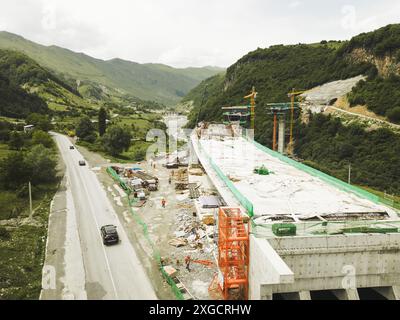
184	33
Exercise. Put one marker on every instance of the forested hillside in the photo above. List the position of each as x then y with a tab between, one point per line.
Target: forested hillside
381	91
325	142
27	87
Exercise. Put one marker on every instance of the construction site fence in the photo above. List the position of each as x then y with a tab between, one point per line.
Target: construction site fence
325	177
155	252
238	195
322	228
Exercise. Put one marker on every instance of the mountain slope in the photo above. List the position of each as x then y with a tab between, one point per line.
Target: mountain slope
27	75
146	81
324	142
381	91
275	70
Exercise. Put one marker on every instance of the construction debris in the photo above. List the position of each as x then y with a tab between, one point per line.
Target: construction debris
171	271
196	172
209	220
178	242
194	191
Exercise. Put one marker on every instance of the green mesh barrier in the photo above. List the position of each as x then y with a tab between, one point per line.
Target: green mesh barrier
316	173
145	230
238	195
118	179
330	228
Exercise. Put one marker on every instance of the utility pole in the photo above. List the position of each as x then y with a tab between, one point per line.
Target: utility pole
349	179
30	199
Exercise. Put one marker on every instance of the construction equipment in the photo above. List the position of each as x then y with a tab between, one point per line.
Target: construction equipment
292	95
238	114
252	96
263	171
233	254
284	229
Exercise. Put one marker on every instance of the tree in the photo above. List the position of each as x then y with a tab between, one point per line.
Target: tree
16	141
41	122
116	140
102	121
394	115
43	138
85	130
41	164
13	171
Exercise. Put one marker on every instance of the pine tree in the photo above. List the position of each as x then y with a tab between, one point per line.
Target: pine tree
102	121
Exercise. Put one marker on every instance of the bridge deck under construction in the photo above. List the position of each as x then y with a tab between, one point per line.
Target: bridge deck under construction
286	190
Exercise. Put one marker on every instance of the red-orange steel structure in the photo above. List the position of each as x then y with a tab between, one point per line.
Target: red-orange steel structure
233	250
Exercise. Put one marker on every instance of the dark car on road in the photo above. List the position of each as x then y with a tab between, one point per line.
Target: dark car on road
82	163
109	234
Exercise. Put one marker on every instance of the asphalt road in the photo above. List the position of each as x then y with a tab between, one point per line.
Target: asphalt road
92	270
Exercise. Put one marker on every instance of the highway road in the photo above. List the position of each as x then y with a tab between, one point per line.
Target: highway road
92	270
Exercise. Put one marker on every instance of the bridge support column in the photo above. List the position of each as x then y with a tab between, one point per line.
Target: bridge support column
281	138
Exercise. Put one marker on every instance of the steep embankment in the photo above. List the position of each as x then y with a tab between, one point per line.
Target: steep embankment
380	92
156	82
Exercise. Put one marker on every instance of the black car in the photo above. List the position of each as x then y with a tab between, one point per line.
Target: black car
82	163
71	147
109	234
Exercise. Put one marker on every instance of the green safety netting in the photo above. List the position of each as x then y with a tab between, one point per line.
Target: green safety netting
331	228
241	198
155	251
325	177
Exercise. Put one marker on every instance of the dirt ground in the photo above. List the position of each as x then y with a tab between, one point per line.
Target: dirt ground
178	215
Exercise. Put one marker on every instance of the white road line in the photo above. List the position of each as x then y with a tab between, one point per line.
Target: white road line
103	249
79	177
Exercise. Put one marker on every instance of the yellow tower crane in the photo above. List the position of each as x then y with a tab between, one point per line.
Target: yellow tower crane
292	95
252	96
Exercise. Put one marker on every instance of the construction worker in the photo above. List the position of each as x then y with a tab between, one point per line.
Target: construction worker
187	262
169	180
163	202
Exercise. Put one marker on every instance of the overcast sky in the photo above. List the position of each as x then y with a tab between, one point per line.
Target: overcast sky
185	33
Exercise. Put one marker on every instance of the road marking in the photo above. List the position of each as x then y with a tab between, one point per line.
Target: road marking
98	232
78	175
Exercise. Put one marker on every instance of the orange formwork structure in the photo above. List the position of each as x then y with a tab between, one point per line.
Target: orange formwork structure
233	254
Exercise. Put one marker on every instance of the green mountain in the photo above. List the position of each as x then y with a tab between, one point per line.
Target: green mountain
27	78
25	86
275	70
155	82
324	142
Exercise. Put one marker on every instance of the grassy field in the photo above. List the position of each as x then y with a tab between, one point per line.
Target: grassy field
22	241
22	253
136	152
22	245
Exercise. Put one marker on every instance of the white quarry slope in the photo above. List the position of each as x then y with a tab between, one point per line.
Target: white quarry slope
288	190
331	90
